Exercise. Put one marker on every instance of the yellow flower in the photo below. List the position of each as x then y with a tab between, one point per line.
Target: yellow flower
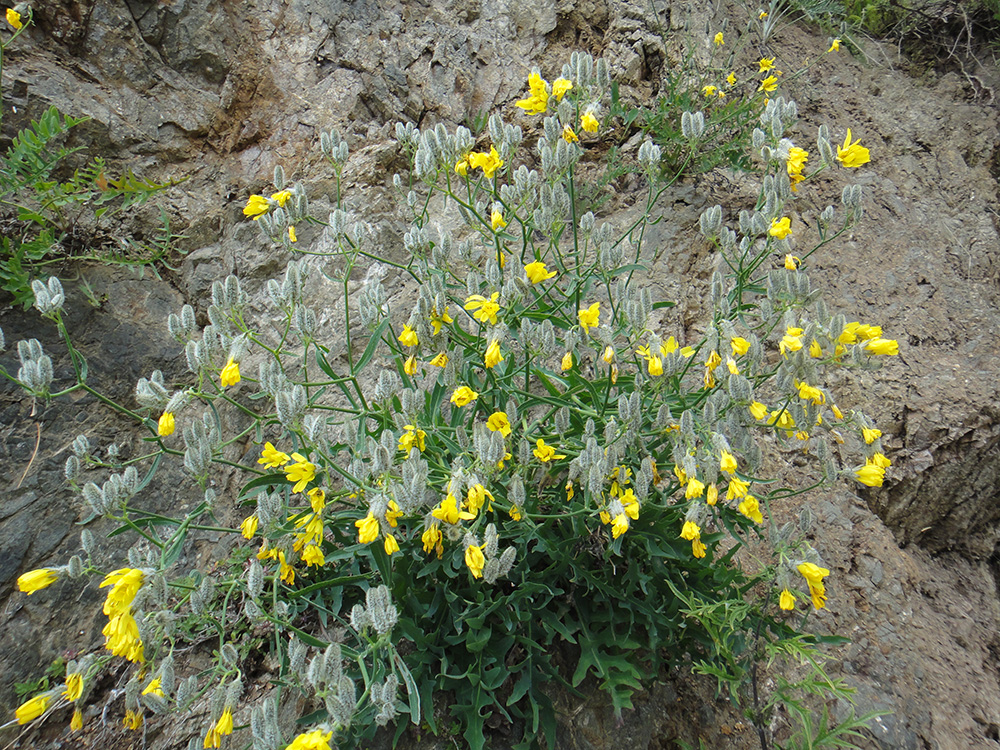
281	198
14	19
797	158
871	475
74	686
769	84
498	422
230	374
538	100
569	135
737	488
883	346
272	458
431	537
368	528
690	531
76	723
412	437
440	360
133	721
462	167
302	472
314	740
390	545
291	235
762	15
698	548
766	63
125	584
609	354
731	78
545	453
514	513
590	317
814	576
815	350
408	337
881	460
727	462
787	600
256	206
589	123
780	228
751	509
870	435
153	688
475	560
313	556
712	495
810	393
709	90
489	163
758	410
493	356
740	346
619	525
121	637
476	498
732	366
655	366
33	708
559	88
791	341
834	46
35	580
719	40
695	488
781	419
166	424
249	527
537	272
410	365
485	309
497	220
567	361
448	511
852	154
463	395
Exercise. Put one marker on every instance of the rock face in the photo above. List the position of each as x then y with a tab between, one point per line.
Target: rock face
222	92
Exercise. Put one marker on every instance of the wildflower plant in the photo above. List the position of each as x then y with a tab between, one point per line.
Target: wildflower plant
521	481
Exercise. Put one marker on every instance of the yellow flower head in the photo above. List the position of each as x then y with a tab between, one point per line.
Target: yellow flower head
814	576
769	84
852	154
291	235
569	135
412	437
559	88
317	739
302	472
871	474
431	537
76	722
390	545
256	206
691	531
498	422
74	686
282	197
589	123
166	424
709	90
545	453
766	63
488	162
538	100
125	584
497	220
590	317
695	488
14	19
475	560
727	462
739	346
440	360
463	395
35	580
870	434
408	337
834	46
883	346
410	365
249	527
368	528
537	272
719	39
758	410
750	508
485	309
272	458
493	356
731	78
567	361
780	228
792	262
230	374
787	601
462	167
